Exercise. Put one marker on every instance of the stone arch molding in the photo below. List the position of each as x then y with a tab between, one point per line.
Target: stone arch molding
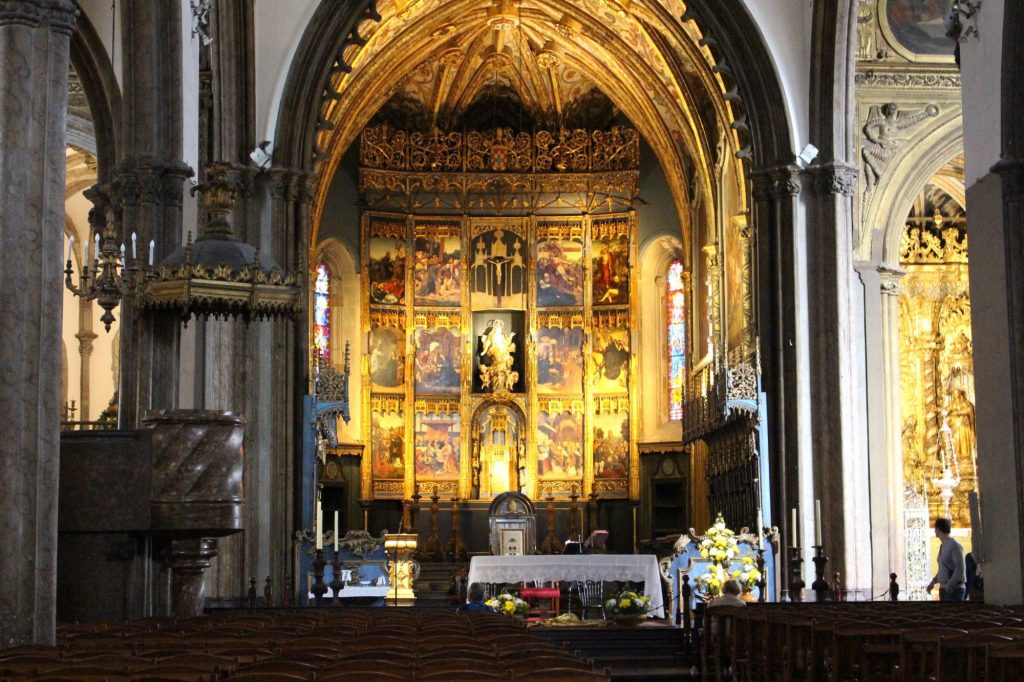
886	209
348	49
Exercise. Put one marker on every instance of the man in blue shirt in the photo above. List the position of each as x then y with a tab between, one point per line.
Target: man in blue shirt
476	599
951	576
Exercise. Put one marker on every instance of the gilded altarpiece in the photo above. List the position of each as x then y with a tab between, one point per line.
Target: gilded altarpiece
500	355
936	363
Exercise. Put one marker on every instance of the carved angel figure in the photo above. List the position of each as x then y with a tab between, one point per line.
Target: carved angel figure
496	349
881	143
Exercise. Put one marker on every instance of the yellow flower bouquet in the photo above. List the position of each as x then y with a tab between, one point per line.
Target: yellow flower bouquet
508	604
628	603
748	576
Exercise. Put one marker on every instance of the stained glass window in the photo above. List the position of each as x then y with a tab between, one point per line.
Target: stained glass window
676	301
322	312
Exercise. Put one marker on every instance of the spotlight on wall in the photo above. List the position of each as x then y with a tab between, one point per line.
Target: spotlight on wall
807	155
261	155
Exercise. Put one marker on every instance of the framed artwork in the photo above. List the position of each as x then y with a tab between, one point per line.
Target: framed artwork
610	263
559	445
611	445
386	270
497	270
512	541
610	358
559	360
559	272
387	358
438	443
437	270
438	361
916	28
387	444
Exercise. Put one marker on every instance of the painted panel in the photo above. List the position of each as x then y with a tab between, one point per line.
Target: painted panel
559	445
438	442
611	445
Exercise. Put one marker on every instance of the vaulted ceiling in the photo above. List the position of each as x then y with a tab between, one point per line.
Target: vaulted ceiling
532	64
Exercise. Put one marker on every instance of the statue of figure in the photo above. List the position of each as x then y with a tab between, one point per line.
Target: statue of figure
881	143
961	420
496	351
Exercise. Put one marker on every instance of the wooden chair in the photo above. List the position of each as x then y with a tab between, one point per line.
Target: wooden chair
566	675
471	674
919	651
963	658
552	592
1004	663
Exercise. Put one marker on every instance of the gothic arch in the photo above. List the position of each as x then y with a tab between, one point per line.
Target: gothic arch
890	204
92	64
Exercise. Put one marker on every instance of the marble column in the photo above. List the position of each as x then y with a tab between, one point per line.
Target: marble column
34	58
893	427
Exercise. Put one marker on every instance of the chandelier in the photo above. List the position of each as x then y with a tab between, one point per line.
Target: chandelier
217	275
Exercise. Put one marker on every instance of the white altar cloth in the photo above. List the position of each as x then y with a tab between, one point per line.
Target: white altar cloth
569	567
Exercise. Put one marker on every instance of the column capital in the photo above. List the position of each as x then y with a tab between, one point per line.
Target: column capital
834	177
890	277
60	15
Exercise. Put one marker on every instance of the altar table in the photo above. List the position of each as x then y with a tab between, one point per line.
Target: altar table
568	567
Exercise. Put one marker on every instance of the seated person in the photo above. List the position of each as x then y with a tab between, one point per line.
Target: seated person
731	591
476	600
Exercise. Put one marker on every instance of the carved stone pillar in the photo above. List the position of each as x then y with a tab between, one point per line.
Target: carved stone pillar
893	426
147	194
746	239
85	338
34	52
713	264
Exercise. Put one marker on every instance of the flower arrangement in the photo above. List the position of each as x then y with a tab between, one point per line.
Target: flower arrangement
508	604
747	575
719	546
628	603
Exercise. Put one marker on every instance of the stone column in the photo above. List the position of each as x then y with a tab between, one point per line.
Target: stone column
147	194
893	427
34	54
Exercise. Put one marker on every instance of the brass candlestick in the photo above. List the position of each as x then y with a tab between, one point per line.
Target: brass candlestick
796	582
336	583
820	585
319	588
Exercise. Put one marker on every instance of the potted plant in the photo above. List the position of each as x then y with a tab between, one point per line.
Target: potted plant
628	607
748	577
508	604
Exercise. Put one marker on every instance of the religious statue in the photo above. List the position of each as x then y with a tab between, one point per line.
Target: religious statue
881	143
497	347
961	422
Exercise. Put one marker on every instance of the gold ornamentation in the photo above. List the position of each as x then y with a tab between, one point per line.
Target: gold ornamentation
442	488
388	488
609	487
561	487
932	246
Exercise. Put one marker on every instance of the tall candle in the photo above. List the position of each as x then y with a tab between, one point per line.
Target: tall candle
817	522
319	526
152	251
71	247
122	255
88	245
335	531
134	254
97	254
794	537
760	529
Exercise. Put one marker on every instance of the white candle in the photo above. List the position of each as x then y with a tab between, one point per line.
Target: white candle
97	254
817	522
122	255
335	531
152	251
794	538
71	246
134	255
759	530
88	245
319	526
